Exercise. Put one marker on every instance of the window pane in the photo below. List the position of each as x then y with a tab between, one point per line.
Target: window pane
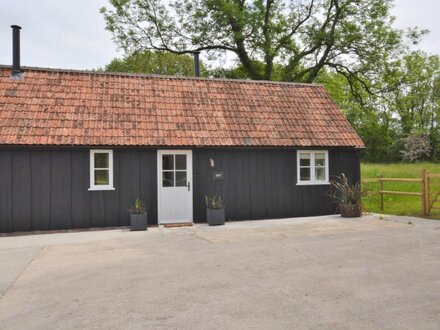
101	160
181	179
167	179
102	177
180	162
168	162
304	159
320	173
320	159
304	174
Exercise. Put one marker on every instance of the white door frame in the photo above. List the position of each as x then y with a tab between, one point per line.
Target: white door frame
189	174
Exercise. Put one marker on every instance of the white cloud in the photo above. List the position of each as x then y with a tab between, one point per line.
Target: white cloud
421	13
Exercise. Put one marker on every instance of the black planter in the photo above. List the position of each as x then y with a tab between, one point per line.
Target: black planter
350	210
138	221
215	217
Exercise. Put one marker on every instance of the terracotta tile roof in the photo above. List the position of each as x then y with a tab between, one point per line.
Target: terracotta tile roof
61	107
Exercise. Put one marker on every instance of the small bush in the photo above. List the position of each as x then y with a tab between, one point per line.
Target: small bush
346	193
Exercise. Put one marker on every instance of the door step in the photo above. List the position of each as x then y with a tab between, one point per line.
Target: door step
180	224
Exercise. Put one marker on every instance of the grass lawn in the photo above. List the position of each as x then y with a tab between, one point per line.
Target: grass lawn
394	204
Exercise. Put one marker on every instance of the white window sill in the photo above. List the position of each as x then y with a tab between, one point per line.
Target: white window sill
101	188
313	183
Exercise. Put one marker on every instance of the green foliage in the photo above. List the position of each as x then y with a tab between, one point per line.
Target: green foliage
414	99
407	105
378	139
214	202
155	62
138	207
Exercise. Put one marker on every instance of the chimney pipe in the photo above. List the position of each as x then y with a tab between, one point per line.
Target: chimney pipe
196	64
16	69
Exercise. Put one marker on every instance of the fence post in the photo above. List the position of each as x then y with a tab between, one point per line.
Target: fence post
381	192
425	192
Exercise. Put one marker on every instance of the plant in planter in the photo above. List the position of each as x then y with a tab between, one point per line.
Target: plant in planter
348	197
215	210
138	216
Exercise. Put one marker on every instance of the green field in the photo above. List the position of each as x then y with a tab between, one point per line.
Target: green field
399	205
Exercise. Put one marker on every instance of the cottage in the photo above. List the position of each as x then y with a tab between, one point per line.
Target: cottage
77	148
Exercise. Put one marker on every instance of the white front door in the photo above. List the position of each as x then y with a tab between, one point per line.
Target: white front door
174	169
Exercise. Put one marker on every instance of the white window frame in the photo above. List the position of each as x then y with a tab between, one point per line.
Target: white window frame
94	187
312	180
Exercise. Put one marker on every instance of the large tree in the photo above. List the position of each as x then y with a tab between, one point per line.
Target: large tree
302	36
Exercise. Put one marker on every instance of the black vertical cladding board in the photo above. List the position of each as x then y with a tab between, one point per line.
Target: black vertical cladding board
236	169
21	191
61	190
41	189
201	171
111	197
277	176
148	183
196	197
98	209
81	197
231	173
286	169
282	169
247	171
226	186
254	184
242	207
295	200
260	211
5	191
129	177
270	182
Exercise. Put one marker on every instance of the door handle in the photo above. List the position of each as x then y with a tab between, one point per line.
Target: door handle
189	186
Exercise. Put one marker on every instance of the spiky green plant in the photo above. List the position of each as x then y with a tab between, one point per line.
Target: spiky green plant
214	202
138	207
346	193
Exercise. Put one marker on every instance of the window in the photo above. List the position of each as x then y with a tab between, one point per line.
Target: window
312	167
174	170
101	170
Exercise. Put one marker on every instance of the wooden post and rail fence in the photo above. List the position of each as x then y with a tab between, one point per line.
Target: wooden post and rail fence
430	201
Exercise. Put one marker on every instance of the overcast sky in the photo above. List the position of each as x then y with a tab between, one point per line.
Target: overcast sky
71	34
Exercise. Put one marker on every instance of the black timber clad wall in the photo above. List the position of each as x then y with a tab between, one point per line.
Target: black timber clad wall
261	183
48	189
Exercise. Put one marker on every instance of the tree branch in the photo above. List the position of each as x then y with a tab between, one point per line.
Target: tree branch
330	41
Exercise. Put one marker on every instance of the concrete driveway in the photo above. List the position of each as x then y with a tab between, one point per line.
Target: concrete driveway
309	273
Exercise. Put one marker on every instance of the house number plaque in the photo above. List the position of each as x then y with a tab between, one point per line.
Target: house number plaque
218	175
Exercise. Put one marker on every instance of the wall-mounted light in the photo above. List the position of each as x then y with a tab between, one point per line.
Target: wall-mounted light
211	162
